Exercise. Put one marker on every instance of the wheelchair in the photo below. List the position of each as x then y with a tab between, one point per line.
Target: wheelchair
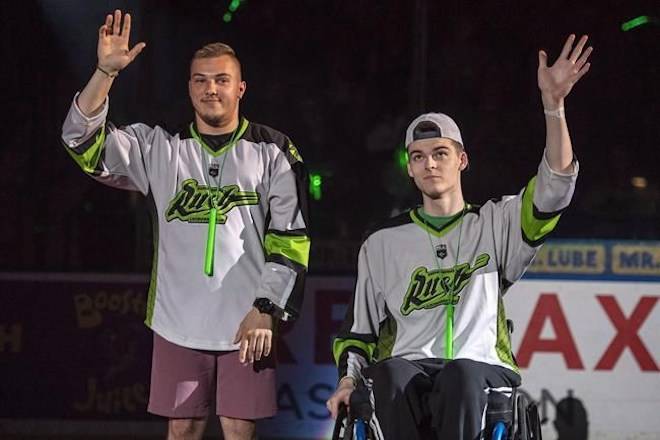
511	417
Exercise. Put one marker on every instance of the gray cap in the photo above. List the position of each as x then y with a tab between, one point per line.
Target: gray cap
433	125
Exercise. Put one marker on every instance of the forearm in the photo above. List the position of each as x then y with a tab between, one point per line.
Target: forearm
559	150
92	97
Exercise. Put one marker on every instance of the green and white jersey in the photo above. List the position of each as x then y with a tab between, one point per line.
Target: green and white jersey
257	181
410	271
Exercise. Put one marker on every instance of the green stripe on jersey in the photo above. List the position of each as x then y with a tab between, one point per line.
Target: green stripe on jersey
293	247
340	345
89	160
503	341
534	228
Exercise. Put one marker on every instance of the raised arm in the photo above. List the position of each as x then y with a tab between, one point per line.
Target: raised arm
113	56
555	83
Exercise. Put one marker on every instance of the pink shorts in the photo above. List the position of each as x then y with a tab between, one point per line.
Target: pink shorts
184	382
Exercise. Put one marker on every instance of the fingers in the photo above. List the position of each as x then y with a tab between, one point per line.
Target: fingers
582	72
340	397
126	29
543	59
106	27
583	59
578	48
567	47
254	346
261	344
136	51
333	406
116	22
268	343
243	350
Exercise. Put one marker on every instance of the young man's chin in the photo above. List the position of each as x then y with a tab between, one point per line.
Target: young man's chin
212	120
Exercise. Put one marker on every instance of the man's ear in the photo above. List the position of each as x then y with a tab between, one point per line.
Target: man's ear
241	89
464	161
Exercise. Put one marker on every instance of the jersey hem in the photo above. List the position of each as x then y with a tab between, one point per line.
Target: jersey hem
197	344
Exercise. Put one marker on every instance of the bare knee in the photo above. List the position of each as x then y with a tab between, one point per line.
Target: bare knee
237	429
186	429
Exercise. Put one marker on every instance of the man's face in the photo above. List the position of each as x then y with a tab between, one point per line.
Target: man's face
435	165
215	87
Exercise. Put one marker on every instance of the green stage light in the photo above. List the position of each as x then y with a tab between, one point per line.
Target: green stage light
401	157
315	183
233	6
635	22
227	17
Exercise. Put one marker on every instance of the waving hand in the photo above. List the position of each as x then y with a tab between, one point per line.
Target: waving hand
112	51
556	81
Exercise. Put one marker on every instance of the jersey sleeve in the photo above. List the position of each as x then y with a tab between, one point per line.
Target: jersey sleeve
356	342
116	157
523	222
286	242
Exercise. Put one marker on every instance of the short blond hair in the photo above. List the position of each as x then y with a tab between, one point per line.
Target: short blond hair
217	49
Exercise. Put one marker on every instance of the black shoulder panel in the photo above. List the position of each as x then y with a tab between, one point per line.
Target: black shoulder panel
392	222
262	133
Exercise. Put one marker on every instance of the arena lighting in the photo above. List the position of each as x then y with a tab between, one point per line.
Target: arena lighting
315	183
637	22
639	182
231	10
233	6
401	158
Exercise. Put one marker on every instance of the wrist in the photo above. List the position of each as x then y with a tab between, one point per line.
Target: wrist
347	381
557	113
265	305
112	74
550	103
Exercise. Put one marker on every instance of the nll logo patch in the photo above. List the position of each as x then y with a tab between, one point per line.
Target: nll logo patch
214	169
441	251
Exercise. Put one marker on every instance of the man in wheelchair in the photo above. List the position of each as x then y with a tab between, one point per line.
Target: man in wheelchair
426	332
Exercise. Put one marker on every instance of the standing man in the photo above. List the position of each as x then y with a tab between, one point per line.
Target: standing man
427	321
231	243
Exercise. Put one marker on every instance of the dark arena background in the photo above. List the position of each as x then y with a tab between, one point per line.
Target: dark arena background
342	79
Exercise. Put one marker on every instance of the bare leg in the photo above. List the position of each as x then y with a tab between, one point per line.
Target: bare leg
238	429
185	429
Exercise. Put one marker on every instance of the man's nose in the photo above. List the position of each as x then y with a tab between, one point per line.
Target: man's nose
211	88
429	163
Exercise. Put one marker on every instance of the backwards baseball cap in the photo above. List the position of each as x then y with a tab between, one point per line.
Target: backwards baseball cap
433	125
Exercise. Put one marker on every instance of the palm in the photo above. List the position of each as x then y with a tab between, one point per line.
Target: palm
556	81
112	51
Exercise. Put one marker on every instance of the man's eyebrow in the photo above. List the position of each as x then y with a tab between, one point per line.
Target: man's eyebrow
440	147
216	75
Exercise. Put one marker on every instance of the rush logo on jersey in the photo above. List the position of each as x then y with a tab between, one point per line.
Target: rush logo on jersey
429	289
193	202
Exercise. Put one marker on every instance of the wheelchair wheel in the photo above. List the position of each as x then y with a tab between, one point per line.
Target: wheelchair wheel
527	424
533	422
521	431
